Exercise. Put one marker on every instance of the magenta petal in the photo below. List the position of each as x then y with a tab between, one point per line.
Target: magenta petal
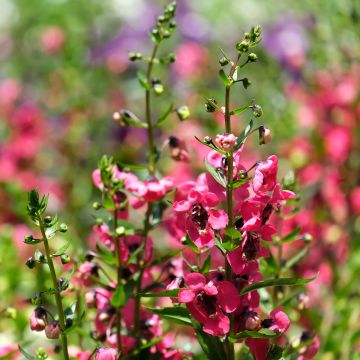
211	199
210	288
228	297
258	180
282	321
217	326
218	219
181	206
195	281
186	296
236	262
258	347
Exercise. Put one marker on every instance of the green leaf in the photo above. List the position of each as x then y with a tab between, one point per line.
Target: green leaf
207	264
217	175
276	282
292	235
164	116
26	354
177	314
106	253
242	137
161	260
188	241
169	293
292	261
210	146
157	212
275	353
119	297
224	77
240	109
261	334
211	345
143	81
62	250
239	183
70	311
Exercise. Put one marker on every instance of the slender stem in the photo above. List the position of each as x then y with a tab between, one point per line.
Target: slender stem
279	260
59	305
148	113
119	273
139	281
151	167
229	198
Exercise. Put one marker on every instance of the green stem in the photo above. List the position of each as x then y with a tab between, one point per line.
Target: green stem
59	305
148	113
119	273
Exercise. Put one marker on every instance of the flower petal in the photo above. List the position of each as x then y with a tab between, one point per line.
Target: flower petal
186	296
218	219
195	281
228	297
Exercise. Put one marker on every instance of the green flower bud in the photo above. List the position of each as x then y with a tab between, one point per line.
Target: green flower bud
307	238
65	259
47	219
133	56
264	135
63	228
96	206
158	89
246	83
223	61
183	112
257	110
30	262
28	239
210	105
242	47
252	57
208	140
10	313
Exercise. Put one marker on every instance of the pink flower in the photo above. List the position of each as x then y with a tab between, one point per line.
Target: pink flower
208	302
225	141
355	200
258	347
154	189
310	351
265	174
104	353
9	352
85	272
52	39
200	219
38	319
83	355
278	321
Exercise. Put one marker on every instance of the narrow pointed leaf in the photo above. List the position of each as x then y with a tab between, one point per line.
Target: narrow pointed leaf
177	314
261	334
224	77
164	116
276	282
169	293
215	174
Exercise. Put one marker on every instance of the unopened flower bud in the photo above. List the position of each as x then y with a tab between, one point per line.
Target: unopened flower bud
264	135
38	319
246	83
208	140
166	34
28	239
30	262
242	46
223	61
158	89
252	321
257	110
172	25
252	57
133	56
257	30
10	313
52	330
65	259
96	205
210	105
103	353
90	255
225	141
63	228
183	112
41	354
242	174
90	299
307	238
47	219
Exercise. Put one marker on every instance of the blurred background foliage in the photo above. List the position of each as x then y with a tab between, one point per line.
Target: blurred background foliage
64	71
